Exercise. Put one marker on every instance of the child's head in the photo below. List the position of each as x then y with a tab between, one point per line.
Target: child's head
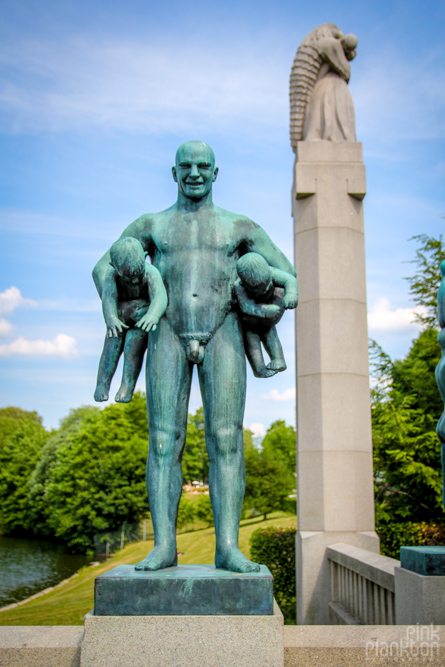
127	257
254	273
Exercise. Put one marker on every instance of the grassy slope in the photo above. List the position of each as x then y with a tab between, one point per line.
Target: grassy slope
68	605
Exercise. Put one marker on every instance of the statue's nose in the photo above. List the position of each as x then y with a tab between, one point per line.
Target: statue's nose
194	173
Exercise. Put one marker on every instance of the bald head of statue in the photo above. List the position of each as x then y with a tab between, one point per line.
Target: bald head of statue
195	170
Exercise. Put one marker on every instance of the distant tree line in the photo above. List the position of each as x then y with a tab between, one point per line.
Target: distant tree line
88	476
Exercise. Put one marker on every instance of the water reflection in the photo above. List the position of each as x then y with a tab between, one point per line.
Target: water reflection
29	566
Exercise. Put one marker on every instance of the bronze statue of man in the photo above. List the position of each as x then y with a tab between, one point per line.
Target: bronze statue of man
195	246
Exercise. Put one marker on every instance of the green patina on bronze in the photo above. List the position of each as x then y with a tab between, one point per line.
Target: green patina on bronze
195	246
187	590
428	561
440	369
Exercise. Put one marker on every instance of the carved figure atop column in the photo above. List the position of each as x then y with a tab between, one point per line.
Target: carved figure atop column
321	106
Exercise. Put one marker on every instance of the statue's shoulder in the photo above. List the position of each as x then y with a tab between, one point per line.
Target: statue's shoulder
237	220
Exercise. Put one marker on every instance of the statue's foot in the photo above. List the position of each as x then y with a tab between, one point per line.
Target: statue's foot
125	394
234	560
101	394
160	557
265	373
277	366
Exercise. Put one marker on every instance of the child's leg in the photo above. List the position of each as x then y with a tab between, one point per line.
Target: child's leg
273	348
254	353
135	346
107	366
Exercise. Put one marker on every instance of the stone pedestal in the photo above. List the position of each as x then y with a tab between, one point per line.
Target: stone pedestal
334	457
420	586
220	641
190	590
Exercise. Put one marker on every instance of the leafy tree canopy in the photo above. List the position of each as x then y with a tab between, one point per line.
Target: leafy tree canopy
425	282
19	454
280	443
91	477
12	418
406	406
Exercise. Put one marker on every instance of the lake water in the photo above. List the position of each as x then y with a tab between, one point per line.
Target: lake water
29	566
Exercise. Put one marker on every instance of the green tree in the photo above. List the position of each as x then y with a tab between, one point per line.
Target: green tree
280	442
424	284
92	477
12	418
19	454
195	461
406	406
268	482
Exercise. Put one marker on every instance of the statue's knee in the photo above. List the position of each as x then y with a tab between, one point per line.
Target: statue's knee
166	443
228	442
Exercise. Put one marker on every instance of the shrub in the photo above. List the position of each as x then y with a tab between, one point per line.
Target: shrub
407	534
275	547
204	510
186	513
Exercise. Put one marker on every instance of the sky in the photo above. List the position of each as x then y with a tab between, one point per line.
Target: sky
96	96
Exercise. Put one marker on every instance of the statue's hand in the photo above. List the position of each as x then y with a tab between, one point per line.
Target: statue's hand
271	309
115	327
290	301
148	322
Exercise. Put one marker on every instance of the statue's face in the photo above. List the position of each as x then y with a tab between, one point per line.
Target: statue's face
195	170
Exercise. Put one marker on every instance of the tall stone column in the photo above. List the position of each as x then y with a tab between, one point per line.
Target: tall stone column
335	496
334	454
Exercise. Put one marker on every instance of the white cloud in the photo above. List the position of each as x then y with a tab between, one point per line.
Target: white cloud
11	299
5	327
258	429
62	346
286	395
383	318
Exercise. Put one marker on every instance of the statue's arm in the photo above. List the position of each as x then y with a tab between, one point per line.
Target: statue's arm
140	229
256	240
158	299
109	304
250	307
290	285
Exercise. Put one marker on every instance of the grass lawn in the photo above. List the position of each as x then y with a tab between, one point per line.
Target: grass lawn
68	604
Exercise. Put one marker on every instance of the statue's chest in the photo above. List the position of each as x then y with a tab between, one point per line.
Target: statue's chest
194	235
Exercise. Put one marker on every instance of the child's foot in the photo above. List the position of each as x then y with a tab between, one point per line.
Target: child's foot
101	393
265	372
125	394
277	365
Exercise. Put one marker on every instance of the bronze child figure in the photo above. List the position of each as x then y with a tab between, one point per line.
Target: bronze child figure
133	300
263	294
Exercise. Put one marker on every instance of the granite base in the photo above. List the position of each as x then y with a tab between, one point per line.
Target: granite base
181	641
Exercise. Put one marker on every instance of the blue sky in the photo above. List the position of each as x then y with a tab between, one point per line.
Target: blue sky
94	100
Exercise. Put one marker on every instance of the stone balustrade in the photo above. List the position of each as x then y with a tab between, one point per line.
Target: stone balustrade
362	586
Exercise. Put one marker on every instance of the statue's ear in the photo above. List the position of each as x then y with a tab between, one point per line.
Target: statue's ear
215	173
175	178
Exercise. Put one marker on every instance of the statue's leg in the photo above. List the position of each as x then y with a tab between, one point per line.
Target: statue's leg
273	348
169	377
134	350
222	377
107	366
254	353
